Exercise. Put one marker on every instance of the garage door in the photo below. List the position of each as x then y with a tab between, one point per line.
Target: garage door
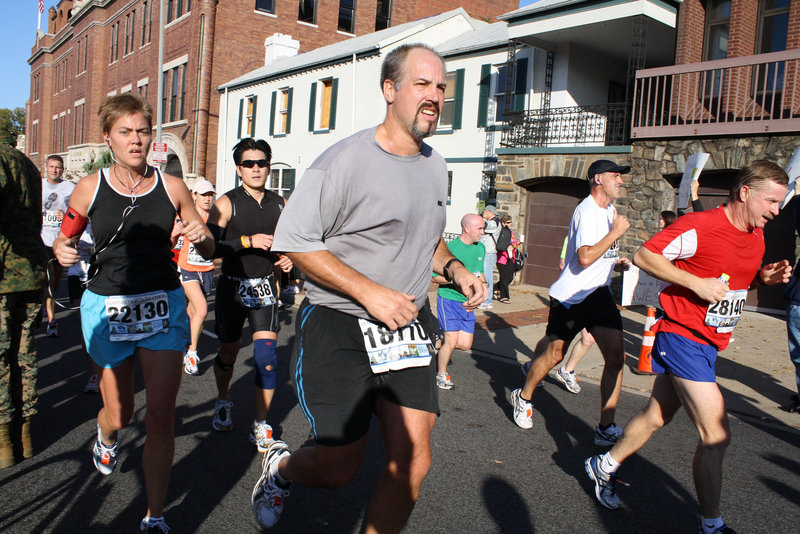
550	207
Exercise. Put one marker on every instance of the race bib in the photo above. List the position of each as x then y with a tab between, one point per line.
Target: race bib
194	258
725	314
392	350
50	219
256	292
132	317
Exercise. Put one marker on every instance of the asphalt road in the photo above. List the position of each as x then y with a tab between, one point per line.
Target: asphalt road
487	475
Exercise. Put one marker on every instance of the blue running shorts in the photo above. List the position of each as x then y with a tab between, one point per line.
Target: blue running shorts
684	358
453	317
109	354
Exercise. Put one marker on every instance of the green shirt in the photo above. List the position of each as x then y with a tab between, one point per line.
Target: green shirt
472	258
23	257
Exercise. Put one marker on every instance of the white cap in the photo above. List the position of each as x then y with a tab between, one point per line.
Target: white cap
201	187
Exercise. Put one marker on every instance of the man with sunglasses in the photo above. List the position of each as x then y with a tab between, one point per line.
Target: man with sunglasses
55	199
243	221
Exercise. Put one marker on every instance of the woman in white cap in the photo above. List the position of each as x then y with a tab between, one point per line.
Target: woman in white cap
197	277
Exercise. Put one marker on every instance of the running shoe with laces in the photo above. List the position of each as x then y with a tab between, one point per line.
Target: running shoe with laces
104	456
268	494
155	525
604	483
91	386
190	361
222	421
607	437
261	435
724	529
443	381
52	329
523	411
568	379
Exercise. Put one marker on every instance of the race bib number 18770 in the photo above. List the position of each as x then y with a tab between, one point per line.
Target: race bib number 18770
392	350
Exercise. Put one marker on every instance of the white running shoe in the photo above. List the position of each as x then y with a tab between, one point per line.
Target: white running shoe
190	361
103	456
222	421
443	381
52	329
607	437
91	386
268	494
261	435
523	411
568	379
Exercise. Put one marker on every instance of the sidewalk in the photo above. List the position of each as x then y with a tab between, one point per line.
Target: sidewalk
754	372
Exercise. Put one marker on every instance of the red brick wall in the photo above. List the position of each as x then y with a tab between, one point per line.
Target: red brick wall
691	27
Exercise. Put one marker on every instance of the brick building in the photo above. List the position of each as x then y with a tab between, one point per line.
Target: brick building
96	48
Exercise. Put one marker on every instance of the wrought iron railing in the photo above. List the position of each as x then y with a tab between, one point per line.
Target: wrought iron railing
603	124
753	94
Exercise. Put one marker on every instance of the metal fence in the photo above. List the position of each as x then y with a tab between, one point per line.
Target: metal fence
603	124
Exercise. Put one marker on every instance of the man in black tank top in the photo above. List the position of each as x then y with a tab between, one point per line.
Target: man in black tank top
243	222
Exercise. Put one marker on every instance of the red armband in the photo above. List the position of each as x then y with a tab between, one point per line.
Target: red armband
73	223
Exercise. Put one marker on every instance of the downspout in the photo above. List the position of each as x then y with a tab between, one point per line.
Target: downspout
353	102
196	121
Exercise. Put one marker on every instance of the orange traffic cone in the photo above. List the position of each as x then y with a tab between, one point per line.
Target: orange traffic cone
645	366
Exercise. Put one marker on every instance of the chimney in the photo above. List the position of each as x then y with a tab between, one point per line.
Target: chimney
279	45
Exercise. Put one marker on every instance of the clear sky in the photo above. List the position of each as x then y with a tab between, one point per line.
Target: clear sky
17	36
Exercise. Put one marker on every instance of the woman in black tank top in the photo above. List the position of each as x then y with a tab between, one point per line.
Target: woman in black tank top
132	207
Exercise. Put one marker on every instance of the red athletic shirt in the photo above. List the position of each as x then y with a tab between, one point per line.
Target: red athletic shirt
707	245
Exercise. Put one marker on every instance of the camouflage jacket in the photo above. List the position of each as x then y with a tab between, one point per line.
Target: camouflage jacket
23	257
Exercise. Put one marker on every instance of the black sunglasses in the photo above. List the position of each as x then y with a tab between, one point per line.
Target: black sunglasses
250	163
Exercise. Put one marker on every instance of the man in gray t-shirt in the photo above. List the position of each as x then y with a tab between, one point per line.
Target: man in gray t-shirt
364	224
489	240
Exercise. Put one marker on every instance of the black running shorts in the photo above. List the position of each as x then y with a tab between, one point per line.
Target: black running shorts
597	309
231	313
335	386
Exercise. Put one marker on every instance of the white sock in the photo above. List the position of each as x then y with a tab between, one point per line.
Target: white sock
608	464
712	525
191	353
274	471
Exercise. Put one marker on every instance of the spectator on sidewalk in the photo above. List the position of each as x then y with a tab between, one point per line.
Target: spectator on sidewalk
491	233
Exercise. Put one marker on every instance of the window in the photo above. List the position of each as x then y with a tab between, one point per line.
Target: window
383	17
267	6
281	112
147	21
323	98
179	9
114	49
172	103
449	186
282	182
127	35
773	26
35	137
85	52
347	16
450	117
36	88
718	18
247	111
519	93
56	80
308	11
77	133
169	10
141	85
65	72
62	120
78	58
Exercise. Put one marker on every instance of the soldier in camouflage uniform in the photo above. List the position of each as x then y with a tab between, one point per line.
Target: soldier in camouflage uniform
23	261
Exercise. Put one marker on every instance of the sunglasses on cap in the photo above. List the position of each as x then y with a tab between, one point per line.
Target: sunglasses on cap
250	163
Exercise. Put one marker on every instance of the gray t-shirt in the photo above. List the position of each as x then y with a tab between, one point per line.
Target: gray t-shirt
491	233
381	214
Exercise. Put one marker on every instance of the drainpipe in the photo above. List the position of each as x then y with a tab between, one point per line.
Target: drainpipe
204	93
353	103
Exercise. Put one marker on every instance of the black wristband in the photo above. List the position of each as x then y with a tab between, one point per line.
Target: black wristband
446	270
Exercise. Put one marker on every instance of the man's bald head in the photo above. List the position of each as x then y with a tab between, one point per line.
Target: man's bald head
472	226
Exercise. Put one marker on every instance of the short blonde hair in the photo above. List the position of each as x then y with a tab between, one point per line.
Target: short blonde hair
123	105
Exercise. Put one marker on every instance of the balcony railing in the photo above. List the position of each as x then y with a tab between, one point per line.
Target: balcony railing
604	124
753	94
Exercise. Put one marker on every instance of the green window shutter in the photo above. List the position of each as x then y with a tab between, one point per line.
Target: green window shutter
520	90
334	94
253	122
458	100
239	127
289	111
483	98
272	114
312	105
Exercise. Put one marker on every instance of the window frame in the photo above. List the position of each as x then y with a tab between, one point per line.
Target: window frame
352	12
264	9
314	11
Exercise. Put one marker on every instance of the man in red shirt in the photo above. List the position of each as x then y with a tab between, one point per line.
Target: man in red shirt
711	259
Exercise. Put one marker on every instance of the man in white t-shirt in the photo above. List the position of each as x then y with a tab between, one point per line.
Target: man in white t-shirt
581	298
55	201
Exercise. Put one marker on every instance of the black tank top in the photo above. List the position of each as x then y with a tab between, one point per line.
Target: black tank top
140	258
248	217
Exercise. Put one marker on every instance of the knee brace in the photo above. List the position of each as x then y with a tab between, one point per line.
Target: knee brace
222	365
265	356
